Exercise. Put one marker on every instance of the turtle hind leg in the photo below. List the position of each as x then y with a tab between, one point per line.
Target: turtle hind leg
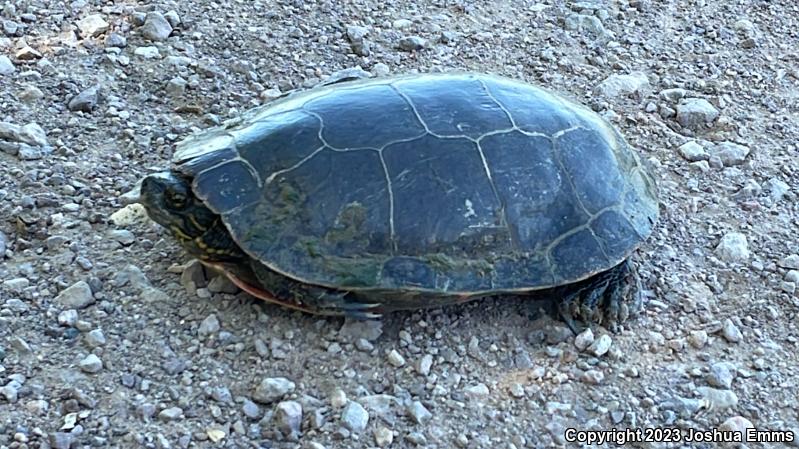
608	298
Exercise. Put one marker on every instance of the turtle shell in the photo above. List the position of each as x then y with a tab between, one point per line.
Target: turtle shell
456	183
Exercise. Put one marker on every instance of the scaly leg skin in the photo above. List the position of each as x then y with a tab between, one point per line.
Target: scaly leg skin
609	298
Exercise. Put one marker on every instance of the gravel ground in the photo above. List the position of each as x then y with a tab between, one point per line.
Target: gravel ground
111	337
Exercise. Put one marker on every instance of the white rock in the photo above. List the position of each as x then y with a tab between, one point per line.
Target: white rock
601	345
91	364
128	215
6	66
77	296
272	388
156	27
93	25
476	392
693	152
355	417
694	113
584	339
733	247
147	52
791	262
624	85
731	153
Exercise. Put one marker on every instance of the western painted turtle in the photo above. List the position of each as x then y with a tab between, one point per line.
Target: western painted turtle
364	197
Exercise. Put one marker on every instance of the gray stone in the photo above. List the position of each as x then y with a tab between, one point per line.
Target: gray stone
593	377
736	424
92	25
251	409
176	86
730	331
395	358
792	276
354	417
733	248
147	52
412	43
731	153
418	412
791	262
210	325
718	400
11	28
776	188
115	40
77	296
357	33
95	338
584	22
31	134
16	285
6	66
68	318
61	440
693	152
624	85
338	398
156	27
697	339
379	404
694	113
601	345
721	375
369	330
85	101
383	436
171	414
91	364
424	365
788	287
173	18
584	339
673	95
288	417
272	389
478	392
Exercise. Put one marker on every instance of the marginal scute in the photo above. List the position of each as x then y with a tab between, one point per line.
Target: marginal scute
615	233
195	146
578	256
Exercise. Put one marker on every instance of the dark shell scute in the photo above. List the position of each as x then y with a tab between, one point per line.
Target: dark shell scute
208	160
590	162
533	110
539	203
464	108
374	117
519	271
447	175
279	141
228	186
408	271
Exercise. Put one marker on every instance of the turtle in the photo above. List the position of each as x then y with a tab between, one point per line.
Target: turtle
364	197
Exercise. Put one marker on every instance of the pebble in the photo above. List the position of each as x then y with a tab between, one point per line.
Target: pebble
730	331
338	398
115	40
77	296
412	43
27	53
736	424
68	318
3	243
176	86
251	409
380	69
601	345
85	101
222	284
173	18
61	440
424	365
16	285
147	52
395	358
733	248
584	339
791	262
288	417
401	24
694	113
624	85
354	329
593	377
171	414
673	95
419	412
730	153
721	375
156	27
92	26
697	339
718	399
128	215
272	388
95	338
91	364
210	325
383	436
379	404
6	66
355	417
476	392
585	22
693	152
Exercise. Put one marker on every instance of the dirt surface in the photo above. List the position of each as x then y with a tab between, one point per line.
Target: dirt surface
105	342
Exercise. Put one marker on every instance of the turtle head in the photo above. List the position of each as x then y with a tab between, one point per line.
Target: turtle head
170	202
